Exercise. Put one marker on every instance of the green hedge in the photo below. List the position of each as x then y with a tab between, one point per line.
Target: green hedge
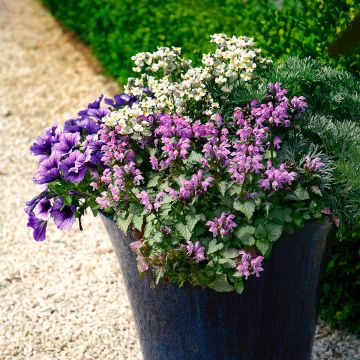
340	303
118	29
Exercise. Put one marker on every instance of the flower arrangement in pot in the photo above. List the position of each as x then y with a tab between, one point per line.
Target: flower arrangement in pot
221	183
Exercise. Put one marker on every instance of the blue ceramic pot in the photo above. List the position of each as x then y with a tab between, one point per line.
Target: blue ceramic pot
274	318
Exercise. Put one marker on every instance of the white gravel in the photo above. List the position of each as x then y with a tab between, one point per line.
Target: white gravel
64	298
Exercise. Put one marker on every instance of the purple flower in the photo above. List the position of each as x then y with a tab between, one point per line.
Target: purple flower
196	186
96	103
90	126
67	142
299	104
121	100
159	199
103	200
276	179
166	229
276	88
91	143
63	215
43	144
154	163
313	164
172	193
74	167
42	209
196	251
223	225
38	226
244	268
30	205
250	266
256	265
48	169
94	110
277	142
93	105
98	114
144	199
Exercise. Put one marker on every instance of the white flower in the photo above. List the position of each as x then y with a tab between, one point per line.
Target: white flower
234	60
138	128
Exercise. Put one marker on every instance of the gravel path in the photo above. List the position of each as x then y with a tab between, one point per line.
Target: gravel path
64	298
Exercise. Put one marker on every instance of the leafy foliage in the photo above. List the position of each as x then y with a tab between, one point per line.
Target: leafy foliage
117	30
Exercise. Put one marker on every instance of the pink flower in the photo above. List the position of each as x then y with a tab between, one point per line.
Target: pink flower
250	266
142	263
313	164
144	199
135	245
223	225
195	251
276	179
154	163
103	200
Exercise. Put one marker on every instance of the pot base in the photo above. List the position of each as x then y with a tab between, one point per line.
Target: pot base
274	319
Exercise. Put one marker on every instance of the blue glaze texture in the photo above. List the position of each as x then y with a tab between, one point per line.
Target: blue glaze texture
274	318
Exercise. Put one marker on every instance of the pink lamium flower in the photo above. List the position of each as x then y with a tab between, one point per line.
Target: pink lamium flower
250	266
223	225
196	251
145	200
313	164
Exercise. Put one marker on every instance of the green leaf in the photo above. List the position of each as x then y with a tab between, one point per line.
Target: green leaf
267	208
230	253
138	221
155	238
152	151
299	194
139	159
235	189
150	226
263	246
223	187
239	286
221	284
67	199
260	231
191	221
316	190
164	211
153	181
136	209
163	186
247	208
274	231
270	154
94	211
228	263
194	157
183	231
123	222
214	246
245	235
287	215
281	214
298	220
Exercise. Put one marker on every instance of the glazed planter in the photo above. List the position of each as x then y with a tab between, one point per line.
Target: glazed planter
274	318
